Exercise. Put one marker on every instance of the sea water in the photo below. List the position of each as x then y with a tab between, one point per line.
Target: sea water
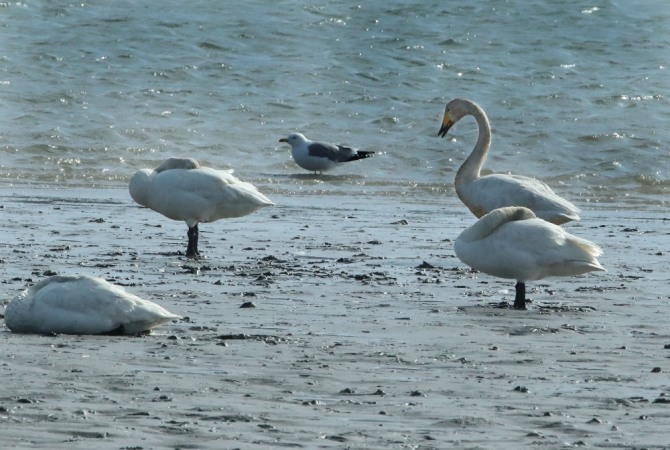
576	92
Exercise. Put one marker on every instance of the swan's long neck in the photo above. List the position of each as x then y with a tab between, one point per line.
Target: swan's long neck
486	225
470	169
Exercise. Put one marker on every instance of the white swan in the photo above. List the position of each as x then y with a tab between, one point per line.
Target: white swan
484	194
513	243
82	305
321	156
181	189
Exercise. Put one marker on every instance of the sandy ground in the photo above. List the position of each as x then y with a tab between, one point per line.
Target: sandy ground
367	332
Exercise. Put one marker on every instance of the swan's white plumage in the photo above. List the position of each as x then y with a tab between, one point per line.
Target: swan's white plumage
483	194
181	189
195	195
513	243
178	163
318	156
82	305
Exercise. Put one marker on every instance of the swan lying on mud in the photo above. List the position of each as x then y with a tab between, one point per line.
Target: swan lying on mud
82	305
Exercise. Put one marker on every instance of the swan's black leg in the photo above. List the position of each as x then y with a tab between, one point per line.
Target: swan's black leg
520	297
197	236
192	249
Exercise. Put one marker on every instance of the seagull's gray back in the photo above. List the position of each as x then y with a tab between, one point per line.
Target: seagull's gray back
337	153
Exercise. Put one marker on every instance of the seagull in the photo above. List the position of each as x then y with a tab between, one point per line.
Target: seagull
182	189
321	156
483	194
513	243
82	305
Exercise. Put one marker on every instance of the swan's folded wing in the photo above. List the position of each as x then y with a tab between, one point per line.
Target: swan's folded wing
495	191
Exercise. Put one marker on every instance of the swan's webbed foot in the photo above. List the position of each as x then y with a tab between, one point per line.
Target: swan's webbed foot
520	297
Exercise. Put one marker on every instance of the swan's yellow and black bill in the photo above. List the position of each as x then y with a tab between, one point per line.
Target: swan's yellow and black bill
447	123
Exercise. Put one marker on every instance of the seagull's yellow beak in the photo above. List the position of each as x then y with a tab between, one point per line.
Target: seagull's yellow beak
283	140
447	123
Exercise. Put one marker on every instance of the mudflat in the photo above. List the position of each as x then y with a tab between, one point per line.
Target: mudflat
327	322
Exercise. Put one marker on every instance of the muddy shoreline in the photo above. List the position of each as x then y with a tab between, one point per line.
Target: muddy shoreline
361	330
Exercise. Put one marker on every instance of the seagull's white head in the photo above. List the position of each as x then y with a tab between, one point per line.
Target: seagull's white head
294	139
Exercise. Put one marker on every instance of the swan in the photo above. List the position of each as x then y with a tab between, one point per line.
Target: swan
483	194
514	243
82	305
182	189
321	156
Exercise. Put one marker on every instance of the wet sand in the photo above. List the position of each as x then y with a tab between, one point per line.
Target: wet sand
363	331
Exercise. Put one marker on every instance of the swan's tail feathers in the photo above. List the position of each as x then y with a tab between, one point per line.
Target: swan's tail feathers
586	259
361	154
561	212
597	267
264	201
558	214
144	326
565	217
588	247
580	267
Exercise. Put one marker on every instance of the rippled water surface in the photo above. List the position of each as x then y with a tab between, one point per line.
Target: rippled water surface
577	92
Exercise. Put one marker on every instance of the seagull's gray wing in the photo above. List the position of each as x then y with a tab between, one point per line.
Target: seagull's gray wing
337	153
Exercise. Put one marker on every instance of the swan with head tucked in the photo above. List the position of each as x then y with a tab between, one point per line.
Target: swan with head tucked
513	243
483	194
82	305
321	156
181	189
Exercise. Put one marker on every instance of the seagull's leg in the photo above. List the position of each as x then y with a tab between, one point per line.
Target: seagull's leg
192	249
520	297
